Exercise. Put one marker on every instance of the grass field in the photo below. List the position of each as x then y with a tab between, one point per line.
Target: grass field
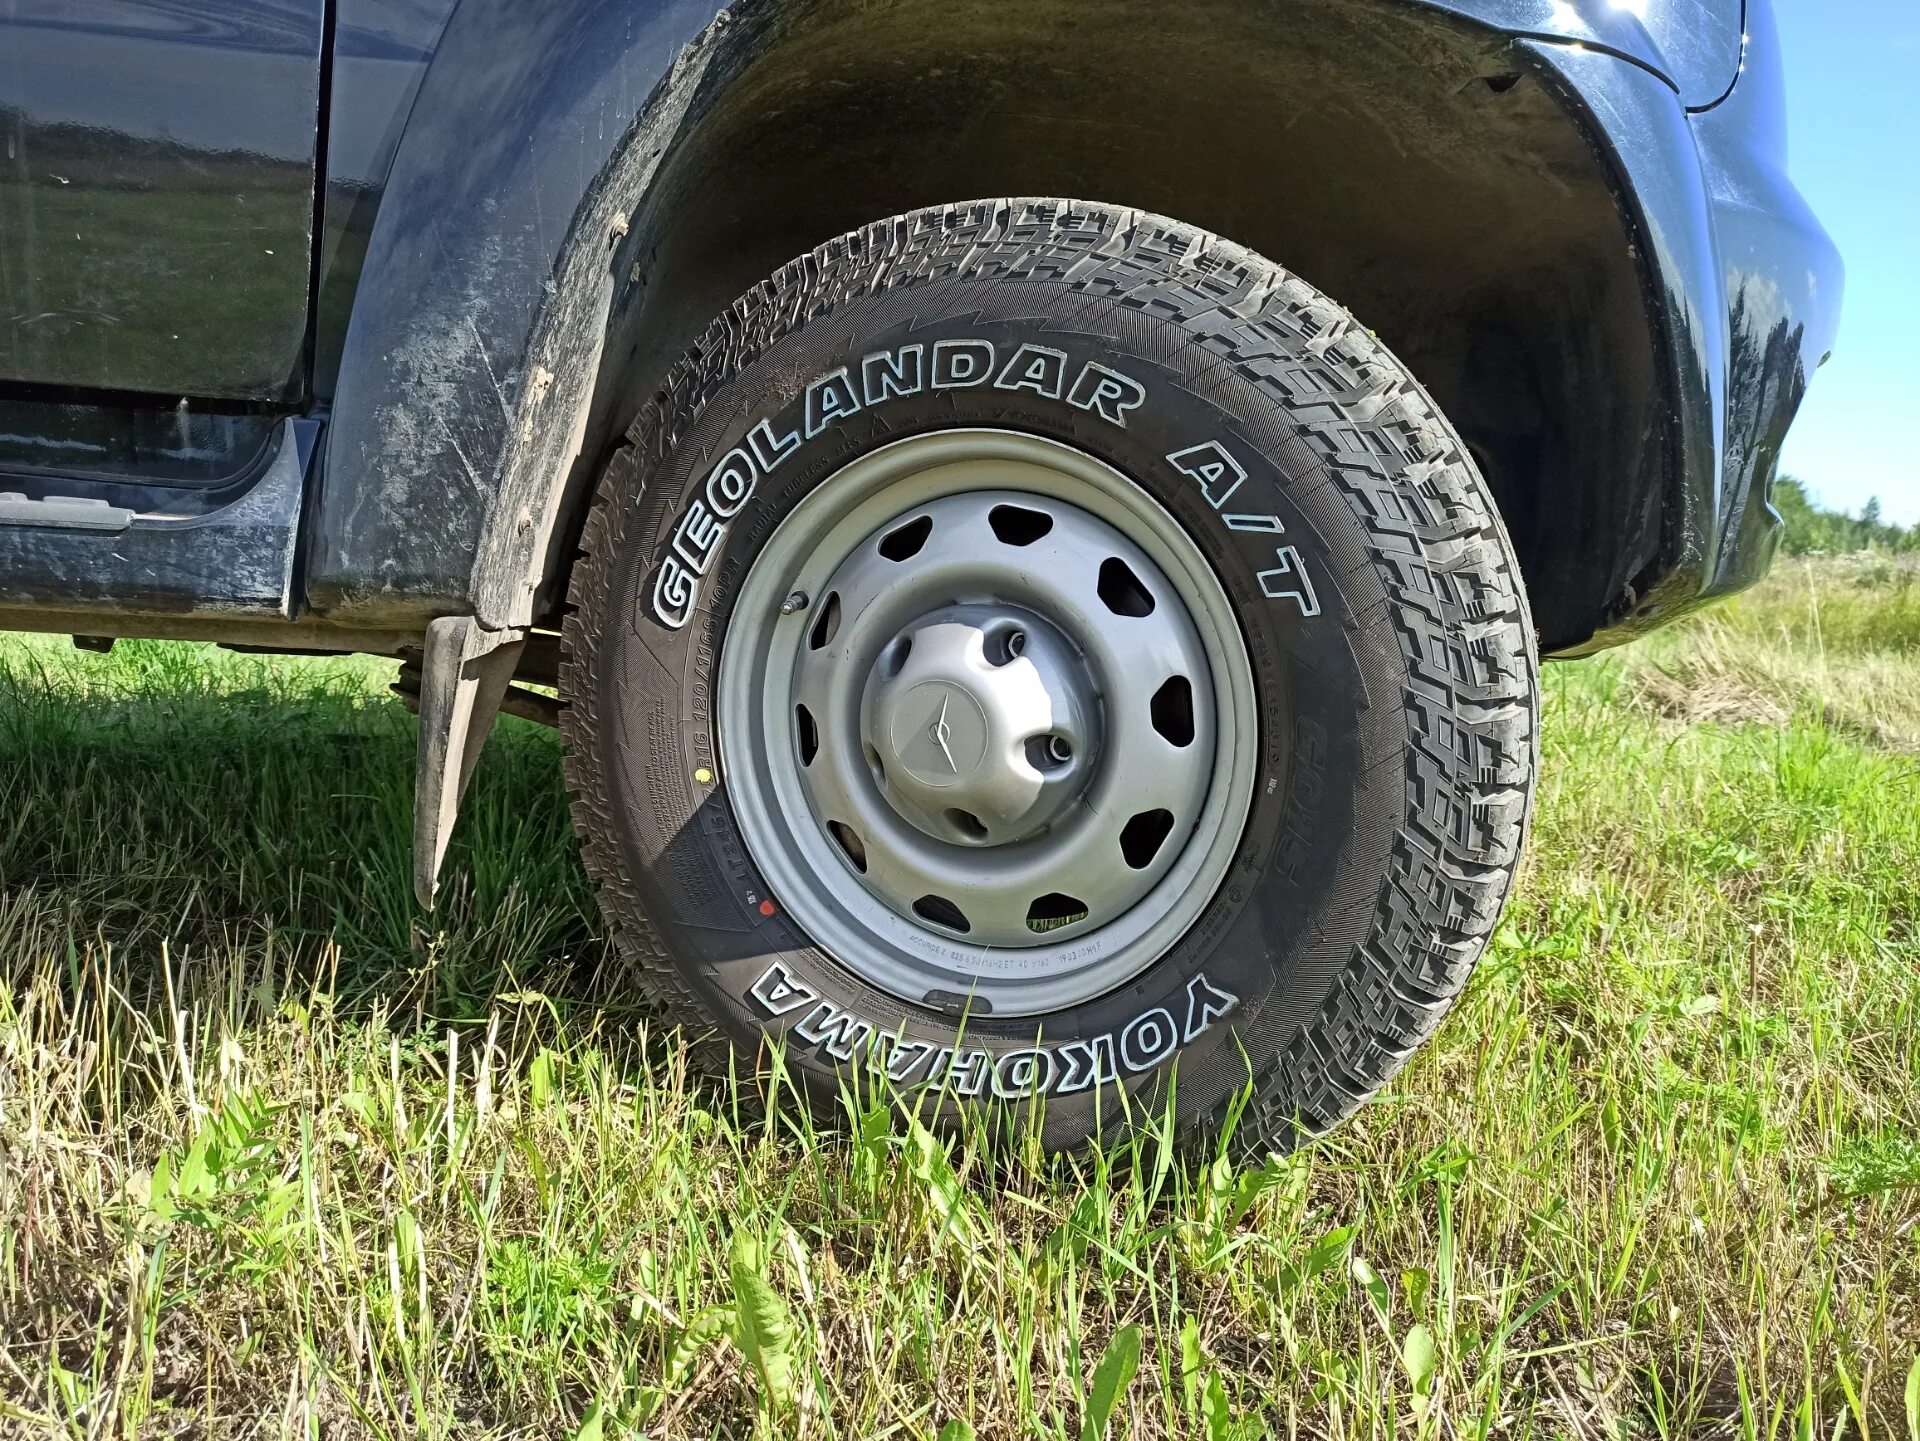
279	1154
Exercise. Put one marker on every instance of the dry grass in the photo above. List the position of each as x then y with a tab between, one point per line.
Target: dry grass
1835	637
278	1154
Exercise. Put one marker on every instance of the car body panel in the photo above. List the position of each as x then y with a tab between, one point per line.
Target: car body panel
128	560
513	138
1694	46
483	158
1750	288
381	51
520	112
1660	190
157	193
1784	285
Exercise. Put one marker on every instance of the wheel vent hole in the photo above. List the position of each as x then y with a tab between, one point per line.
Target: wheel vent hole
827	624
1142	837
1053	911
904	543
1016	525
967	823
1121	590
851	843
809	734
1172	709
939	911
895	658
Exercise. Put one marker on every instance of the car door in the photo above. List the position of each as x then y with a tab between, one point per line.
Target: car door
157	170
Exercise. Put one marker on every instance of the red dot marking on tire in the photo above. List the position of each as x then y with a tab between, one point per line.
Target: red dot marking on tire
767	908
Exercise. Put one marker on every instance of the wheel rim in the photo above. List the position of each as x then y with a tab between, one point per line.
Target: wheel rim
987	721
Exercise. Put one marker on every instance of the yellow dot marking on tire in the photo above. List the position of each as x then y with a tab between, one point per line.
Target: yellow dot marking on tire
704	776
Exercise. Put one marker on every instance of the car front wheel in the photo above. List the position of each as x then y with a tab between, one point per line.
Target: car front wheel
1034	650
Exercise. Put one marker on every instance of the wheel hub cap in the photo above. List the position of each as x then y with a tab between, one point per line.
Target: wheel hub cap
985	720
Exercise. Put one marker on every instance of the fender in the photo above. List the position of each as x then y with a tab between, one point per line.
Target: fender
501	248
1784	284
476	266
1746	288
1658	185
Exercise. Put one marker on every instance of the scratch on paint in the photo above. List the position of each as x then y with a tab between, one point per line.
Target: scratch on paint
473	476
480	346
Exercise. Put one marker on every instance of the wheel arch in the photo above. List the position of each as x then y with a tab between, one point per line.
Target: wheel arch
521	295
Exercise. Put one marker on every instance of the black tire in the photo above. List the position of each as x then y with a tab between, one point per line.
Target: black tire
1396	681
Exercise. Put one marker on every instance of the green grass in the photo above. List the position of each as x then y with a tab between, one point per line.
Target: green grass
279	1153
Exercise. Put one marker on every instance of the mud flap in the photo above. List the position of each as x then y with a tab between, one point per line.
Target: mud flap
464	673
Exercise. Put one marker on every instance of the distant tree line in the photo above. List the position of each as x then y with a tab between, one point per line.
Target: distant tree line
1813	529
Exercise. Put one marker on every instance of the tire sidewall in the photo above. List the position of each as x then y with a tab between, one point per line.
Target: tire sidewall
1302	887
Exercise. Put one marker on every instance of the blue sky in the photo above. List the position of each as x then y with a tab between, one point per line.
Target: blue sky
1853	116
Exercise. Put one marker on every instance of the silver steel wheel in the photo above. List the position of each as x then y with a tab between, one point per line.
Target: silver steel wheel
987	722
